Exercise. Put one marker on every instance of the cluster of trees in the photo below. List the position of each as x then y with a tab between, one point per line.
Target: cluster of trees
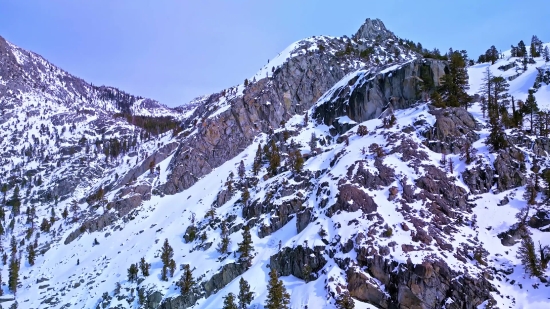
242	300
454	84
491	55
153	125
496	102
134	269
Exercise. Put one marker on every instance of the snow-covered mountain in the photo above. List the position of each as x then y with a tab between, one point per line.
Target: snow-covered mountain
374	211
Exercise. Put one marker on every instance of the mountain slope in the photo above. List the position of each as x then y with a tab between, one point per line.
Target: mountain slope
373	211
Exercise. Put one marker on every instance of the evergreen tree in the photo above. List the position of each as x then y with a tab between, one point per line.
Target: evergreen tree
65	213
15	201
31	254
245	296
241	170
144	266
13	274
246	248
4	190
274	159
298	162
313	142
529	258
344	301
166	255
229	302
186	282
530	107
245	196
468	153
211	213
172	267
522	49
277	296
224	242
257	160
45	225
546	54
133	273
486	87
530	193
455	82
13	246
491	54
75	209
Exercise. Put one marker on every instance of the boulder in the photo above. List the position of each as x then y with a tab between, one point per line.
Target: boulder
510	168
453	129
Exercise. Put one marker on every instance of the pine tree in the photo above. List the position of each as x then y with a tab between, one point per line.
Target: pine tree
277	296
245	196
241	170
186	282
257	160
13	274
344	301
245	296
224	242
530	107
546	54
529	257
133	273
172	267
65	213
74	208
211	213
313	142
31	254
246	248
15	201
522	49
468	153
45	225
306	272
274	159
487	88
229	302
166	255
144	266
530	193
4	190
298	162
13	246
455	82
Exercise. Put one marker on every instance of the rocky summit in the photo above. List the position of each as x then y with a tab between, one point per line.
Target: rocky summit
348	172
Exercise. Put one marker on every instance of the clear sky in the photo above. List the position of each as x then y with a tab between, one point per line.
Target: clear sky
175	50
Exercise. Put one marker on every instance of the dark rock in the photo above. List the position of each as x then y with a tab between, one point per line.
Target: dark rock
479	179
291	261
372	92
350	199
453	129
429	285
510	168
539	220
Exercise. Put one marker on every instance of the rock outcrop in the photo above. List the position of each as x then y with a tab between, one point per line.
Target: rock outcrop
429	285
368	95
453	129
510	168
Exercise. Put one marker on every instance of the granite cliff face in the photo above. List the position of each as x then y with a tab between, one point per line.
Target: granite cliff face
293	88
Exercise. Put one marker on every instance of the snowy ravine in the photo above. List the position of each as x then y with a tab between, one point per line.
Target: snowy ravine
374	212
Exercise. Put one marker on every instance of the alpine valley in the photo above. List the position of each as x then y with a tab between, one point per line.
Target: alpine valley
348	172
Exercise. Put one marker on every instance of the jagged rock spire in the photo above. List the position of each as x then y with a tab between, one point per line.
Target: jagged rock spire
373	28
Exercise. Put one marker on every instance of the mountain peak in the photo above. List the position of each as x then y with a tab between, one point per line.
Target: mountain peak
372	29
